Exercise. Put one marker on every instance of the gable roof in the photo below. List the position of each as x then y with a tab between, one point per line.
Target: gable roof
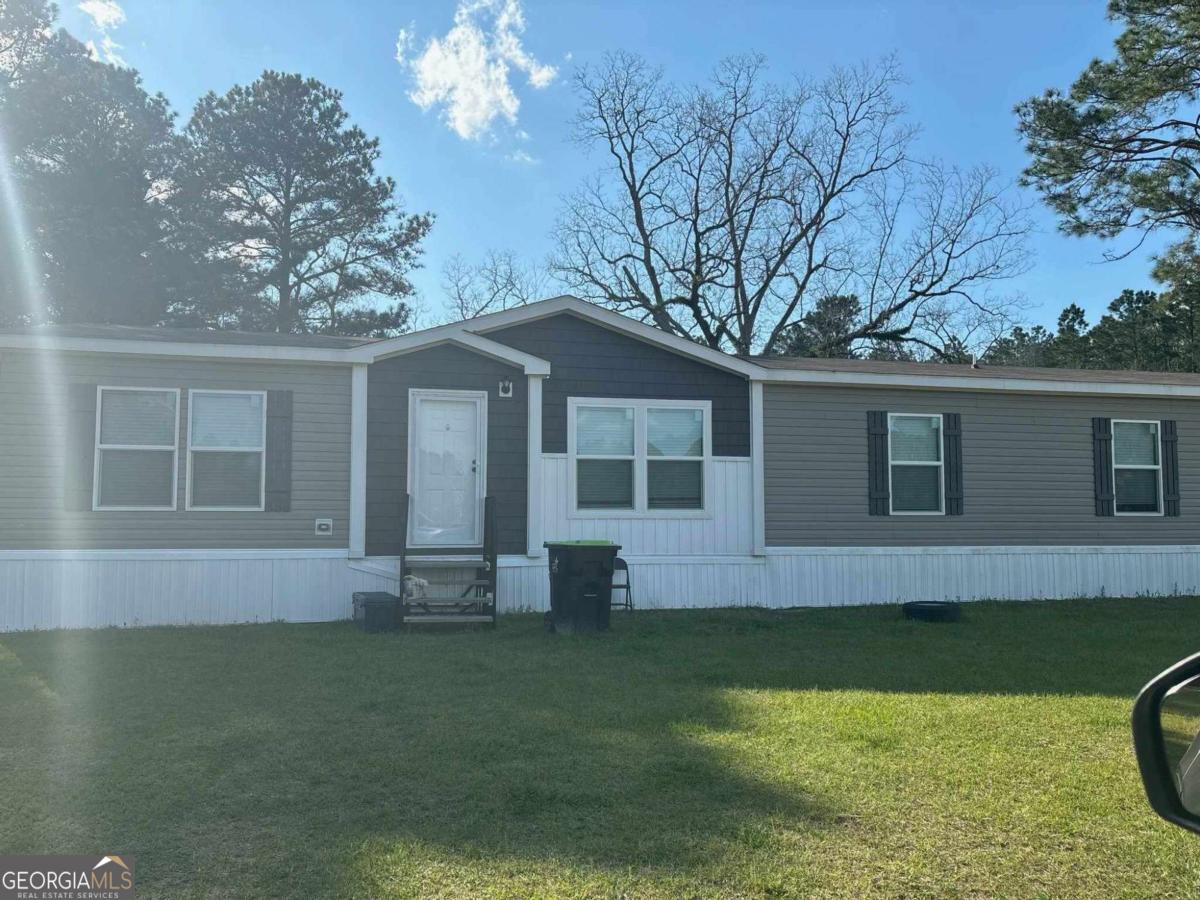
931	375
934	369
473	334
480	326
470	333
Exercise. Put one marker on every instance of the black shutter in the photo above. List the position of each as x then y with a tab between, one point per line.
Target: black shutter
952	462
878	482
279	451
1102	472
80	447
1170	467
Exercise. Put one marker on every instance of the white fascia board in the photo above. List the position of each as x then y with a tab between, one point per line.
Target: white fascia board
614	322
987	549
180	554
177	349
968	383
358	461
452	334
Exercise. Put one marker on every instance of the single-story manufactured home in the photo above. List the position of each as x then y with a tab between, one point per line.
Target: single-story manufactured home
155	476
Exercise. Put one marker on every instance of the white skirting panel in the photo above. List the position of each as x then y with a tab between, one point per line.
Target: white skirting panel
108	588
849	576
95	590
728	530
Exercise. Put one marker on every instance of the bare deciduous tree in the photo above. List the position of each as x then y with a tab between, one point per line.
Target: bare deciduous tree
723	213
498	282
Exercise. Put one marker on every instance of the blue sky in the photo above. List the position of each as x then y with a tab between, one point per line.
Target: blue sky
498	187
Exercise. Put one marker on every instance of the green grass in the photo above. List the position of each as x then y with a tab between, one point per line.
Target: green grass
737	753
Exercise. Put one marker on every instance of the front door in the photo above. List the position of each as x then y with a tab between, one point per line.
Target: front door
446	453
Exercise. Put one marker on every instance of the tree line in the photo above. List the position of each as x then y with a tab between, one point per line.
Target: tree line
262	212
746	213
795	219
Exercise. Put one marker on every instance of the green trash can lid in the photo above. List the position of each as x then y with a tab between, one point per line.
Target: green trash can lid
581	544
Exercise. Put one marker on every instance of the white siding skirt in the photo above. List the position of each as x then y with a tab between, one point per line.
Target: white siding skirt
95	589
847	576
99	588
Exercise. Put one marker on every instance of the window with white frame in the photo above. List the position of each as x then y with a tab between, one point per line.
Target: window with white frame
641	457
136	448
226	449
915	464
1137	468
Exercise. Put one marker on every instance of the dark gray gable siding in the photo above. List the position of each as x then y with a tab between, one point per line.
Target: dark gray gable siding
588	360
449	368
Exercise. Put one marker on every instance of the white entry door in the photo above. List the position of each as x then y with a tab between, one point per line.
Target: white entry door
446	467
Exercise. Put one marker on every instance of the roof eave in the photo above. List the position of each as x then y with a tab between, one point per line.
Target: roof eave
176	349
989	384
457	336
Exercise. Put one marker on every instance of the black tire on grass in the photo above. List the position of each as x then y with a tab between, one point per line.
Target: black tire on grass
932	611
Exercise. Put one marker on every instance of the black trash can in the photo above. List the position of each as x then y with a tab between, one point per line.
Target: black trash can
376	611
581	574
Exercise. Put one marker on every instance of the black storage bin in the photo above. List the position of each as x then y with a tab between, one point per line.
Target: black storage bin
376	611
581	574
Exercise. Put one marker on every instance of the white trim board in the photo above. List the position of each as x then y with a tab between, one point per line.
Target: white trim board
987	549
454	334
358	461
176	349
758	499
533	474
182	554
510	560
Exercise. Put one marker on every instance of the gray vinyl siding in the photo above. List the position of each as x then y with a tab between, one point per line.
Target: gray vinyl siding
446	368
1027	469
588	360
32	455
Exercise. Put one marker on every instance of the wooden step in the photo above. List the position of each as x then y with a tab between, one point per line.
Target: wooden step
447	600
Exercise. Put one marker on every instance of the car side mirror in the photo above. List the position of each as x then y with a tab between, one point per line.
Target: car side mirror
1166	738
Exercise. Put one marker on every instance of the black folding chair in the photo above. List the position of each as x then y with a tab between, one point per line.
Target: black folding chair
619	565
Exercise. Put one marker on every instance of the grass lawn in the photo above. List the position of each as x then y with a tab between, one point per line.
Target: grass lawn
838	752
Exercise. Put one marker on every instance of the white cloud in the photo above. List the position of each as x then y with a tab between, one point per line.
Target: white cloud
106	16
108	51
466	73
523	158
